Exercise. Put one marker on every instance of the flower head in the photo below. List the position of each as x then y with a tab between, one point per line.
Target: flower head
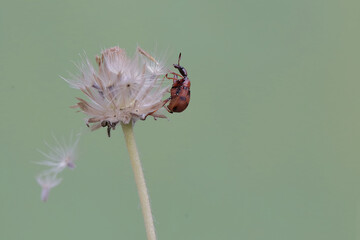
121	89
47	182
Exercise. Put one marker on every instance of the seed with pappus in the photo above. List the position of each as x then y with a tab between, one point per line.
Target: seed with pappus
59	157
47	182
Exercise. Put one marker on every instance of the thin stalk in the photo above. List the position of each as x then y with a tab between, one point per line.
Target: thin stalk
140	180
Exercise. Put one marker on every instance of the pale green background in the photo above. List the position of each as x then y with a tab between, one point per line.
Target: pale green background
268	148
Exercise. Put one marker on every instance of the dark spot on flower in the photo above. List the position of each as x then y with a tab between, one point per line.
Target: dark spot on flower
128	85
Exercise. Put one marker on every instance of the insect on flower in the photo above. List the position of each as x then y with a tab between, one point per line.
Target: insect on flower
180	91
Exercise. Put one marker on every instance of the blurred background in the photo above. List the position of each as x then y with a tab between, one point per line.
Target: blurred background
268	148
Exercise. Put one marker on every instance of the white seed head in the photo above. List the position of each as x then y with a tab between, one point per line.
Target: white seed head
121	89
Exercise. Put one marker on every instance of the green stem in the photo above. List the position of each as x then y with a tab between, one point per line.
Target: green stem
140	180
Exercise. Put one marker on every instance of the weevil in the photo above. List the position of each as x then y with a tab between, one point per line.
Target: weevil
180	90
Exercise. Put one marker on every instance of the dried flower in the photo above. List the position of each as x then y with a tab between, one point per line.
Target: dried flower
122	89
47	182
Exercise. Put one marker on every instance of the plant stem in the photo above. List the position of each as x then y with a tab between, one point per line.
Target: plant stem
140	180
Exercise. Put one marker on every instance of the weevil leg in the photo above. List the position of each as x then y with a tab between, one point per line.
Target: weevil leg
167	109
176	81
164	102
173	78
174	73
